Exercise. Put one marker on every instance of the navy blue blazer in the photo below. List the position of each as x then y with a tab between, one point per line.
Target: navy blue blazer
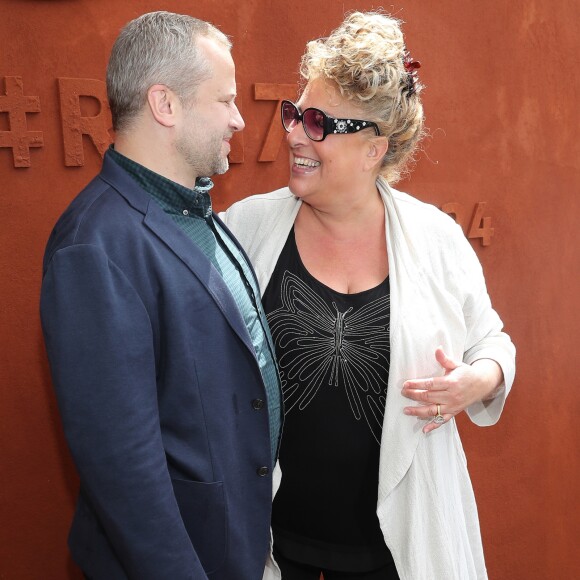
160	394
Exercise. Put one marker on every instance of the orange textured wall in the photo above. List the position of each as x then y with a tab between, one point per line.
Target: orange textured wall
501	103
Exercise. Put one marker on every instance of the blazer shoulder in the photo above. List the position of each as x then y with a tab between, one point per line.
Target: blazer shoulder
99	212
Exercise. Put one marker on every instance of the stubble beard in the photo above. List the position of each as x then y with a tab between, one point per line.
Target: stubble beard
204	158
222	165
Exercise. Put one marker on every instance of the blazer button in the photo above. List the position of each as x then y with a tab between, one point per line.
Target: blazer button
263	471
257	404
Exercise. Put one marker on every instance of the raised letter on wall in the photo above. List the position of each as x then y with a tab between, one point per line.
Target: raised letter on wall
74	125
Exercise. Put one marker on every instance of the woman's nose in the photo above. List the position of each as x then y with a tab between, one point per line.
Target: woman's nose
297	136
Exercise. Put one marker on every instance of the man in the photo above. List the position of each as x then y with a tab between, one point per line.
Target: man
160	354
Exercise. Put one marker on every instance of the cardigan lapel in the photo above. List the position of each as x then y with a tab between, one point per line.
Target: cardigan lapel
418	325
401	433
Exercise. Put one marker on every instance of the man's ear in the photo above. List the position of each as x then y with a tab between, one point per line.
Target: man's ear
377	148
163	104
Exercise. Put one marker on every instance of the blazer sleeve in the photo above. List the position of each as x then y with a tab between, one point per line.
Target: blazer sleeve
100	346
485	336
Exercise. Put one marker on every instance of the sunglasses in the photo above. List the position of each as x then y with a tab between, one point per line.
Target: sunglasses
317	124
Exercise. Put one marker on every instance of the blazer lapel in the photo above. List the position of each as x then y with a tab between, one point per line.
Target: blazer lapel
164	228
169	233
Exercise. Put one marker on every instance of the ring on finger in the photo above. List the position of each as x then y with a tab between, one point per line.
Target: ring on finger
439	417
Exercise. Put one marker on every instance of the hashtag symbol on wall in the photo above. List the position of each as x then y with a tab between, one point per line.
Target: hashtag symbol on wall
18	106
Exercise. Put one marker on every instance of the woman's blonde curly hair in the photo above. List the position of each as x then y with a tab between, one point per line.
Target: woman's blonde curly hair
365	57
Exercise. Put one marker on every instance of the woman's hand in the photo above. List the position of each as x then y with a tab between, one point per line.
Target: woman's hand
460	386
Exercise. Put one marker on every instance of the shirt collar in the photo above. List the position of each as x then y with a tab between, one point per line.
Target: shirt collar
173	197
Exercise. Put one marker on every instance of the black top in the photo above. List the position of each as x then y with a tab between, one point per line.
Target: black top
333	356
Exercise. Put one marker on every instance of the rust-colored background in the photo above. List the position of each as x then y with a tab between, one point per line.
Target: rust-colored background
501	103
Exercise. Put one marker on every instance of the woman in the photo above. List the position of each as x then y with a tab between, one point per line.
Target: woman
383	329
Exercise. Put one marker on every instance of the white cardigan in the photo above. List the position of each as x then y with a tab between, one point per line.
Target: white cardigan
426	505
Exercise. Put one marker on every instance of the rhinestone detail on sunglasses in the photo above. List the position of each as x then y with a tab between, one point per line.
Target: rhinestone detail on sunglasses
343	125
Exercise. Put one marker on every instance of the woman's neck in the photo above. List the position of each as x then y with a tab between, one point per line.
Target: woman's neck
352	216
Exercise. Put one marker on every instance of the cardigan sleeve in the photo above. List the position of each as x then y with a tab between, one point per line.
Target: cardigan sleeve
485	336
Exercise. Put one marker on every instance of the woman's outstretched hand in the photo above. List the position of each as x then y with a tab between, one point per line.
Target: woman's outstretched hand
461	385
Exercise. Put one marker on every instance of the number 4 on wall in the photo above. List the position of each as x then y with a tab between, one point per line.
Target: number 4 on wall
479	226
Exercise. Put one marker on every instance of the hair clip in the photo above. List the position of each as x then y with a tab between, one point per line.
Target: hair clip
411	66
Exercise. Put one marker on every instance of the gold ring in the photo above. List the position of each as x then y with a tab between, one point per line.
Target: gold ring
439	417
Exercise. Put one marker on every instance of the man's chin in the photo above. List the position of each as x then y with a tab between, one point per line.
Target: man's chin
222	166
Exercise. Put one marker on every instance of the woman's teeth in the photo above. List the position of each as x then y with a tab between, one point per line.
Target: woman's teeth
306	162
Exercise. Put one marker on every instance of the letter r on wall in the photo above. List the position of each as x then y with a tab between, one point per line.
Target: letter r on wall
74	125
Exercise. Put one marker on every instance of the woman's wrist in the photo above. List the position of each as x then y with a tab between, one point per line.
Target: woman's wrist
490	376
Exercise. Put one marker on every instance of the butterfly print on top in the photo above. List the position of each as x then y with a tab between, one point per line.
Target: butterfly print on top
324	347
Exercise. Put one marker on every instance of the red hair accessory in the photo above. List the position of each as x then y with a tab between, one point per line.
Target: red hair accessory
411	66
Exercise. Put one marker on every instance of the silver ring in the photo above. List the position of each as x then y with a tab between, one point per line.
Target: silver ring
439	417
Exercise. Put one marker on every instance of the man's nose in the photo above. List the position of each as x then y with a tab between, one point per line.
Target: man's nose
237	123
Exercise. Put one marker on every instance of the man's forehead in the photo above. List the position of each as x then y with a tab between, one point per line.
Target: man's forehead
215	51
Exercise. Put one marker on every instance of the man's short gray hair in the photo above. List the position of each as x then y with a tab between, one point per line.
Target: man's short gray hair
157	48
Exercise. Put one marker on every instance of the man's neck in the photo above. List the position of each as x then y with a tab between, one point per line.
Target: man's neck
142	150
